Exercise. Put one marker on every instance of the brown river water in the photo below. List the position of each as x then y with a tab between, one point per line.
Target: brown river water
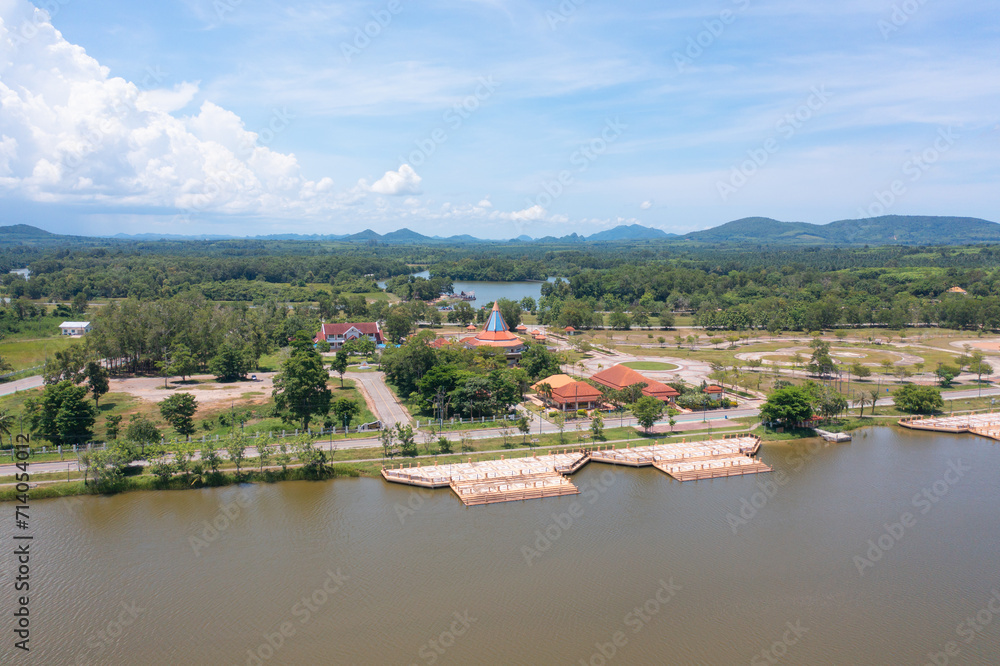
882	551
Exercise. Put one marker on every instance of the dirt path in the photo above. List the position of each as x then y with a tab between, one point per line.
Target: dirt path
150	389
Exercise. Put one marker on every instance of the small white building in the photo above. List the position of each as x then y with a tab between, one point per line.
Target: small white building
74	327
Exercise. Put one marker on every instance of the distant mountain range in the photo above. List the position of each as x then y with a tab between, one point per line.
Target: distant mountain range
750	231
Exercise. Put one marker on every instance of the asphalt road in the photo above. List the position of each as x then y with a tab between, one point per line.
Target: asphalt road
380	399
21	385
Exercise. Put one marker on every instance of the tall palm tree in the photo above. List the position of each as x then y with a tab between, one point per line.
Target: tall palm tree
873	398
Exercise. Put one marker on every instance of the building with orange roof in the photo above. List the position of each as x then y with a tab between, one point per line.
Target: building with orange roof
714	392
554	382
620	377
957	290
576	395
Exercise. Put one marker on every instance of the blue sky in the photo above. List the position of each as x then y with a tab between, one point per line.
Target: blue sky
491	117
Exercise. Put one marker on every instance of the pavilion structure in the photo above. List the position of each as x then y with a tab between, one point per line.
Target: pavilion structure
497	334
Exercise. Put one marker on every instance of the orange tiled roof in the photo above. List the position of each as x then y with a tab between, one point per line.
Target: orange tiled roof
618	377
575	392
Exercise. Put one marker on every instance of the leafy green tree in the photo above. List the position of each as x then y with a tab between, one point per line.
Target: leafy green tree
915	399
861	371
539	362
398	323
63	416
182	362
313	459
946	374
142	431
821	363
97	380
647	410
263	455
620	321
232	361
210	456
788	406
283	457
979	366
387	437
407	443
178	410
345	410
301	389
162	468
339	365
524	426
66	364
463	314
183	455
560	421
236	447
597	426
112	424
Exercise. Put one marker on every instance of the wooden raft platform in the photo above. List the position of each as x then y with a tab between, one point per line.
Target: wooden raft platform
504	480
688	461
964	423
712	469
683	451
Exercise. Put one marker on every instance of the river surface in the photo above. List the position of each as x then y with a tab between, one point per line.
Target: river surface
645	569
487	292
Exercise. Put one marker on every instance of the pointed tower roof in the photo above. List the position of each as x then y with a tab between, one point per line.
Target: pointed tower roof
496	328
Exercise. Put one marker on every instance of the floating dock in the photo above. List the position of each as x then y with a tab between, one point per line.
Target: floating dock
984	425
536	477
690	461
833	436
504	480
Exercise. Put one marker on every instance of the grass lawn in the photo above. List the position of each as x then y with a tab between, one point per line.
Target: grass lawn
32	352
649	365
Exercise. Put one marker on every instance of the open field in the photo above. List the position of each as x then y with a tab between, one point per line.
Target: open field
32	352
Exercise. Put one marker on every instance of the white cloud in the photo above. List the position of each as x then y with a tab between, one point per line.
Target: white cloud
646	205
485	203
396	183
169	101
71	133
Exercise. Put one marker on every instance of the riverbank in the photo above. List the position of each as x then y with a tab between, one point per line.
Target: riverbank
369	462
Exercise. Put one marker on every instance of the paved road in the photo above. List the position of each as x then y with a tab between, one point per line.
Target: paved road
21	385
380	399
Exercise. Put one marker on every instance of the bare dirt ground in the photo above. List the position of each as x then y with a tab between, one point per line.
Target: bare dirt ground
208	391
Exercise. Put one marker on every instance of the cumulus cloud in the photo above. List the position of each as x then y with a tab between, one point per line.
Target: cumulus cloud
646	205
398	183
70	132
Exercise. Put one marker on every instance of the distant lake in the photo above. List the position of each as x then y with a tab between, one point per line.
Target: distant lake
487	292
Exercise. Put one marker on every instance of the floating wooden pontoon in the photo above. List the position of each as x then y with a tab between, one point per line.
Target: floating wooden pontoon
684	461
503	480
985	425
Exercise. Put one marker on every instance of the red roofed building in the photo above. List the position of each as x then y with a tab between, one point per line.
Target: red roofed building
576	395
338	334
619	377
660	391
438	343
714	392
